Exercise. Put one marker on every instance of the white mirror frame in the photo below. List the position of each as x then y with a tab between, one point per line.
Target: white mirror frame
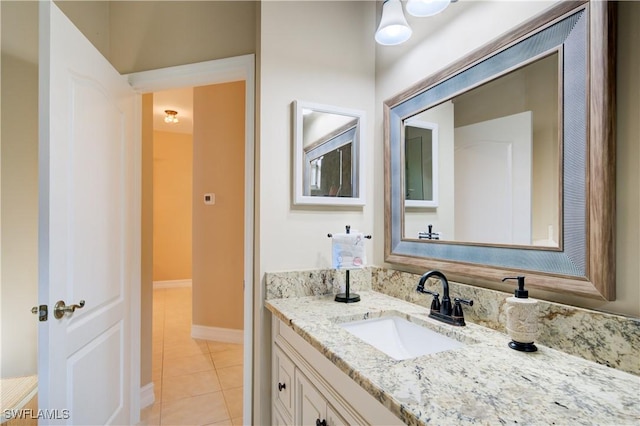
434	164
299	156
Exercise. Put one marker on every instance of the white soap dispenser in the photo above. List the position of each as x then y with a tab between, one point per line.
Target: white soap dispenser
522	318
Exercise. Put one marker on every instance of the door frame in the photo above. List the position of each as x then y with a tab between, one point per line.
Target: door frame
237	68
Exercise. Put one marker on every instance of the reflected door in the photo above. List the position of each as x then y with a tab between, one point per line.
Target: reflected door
492	163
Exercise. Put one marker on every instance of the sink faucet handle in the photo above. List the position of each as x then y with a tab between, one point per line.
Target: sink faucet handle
458	315
457	307
435	303
467	302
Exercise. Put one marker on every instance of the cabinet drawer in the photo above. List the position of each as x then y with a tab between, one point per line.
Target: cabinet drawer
283	370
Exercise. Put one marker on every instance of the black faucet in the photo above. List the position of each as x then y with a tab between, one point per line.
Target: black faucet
443	311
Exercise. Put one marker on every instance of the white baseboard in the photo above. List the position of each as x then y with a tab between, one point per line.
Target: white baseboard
227	335
171	284
147	395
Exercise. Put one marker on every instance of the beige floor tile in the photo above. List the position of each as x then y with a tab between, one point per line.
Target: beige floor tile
186	365
222	346
197	410
178	317
180	351
227	358
178	387
230	377
233	398
156	375
226	422
150	416
157	392
187	386
182	340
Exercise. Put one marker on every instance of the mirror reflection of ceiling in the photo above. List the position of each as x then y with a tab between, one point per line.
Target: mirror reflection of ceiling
180	100
318	124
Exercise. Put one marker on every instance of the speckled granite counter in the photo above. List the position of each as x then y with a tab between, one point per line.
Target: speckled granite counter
484	382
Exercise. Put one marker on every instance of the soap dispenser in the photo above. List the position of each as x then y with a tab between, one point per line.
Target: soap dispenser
522	318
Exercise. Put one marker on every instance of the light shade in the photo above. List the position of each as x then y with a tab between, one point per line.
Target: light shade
170	116
422	8
393	28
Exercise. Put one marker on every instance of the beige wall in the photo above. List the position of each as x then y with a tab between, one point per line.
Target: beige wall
319	52
146	35
19	216
172	176
628	165
19	195
146	256
446	40
91	18
218	240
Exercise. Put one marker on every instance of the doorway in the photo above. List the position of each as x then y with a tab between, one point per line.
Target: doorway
198	206
203	74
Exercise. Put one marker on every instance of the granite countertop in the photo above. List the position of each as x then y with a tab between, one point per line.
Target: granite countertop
484	382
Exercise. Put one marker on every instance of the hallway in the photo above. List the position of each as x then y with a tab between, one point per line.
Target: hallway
196	382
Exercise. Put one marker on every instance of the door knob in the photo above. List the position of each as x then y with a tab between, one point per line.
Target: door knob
61	308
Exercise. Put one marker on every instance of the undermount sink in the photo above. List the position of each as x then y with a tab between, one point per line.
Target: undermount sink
399	338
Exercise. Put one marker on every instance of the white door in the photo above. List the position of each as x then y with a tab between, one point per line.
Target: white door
87	238
492	162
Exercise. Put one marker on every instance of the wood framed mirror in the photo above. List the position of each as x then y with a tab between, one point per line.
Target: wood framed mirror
570	170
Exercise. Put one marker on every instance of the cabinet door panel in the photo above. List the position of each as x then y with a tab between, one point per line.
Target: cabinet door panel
311	405
283	381
280	419
335	419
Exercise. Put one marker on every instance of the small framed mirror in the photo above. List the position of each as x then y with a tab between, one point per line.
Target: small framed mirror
327	155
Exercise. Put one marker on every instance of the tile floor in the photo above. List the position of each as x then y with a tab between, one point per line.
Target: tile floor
196	382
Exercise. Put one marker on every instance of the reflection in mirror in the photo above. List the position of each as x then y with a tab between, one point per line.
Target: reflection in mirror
327	155
499	151
571	216
421	164
328	168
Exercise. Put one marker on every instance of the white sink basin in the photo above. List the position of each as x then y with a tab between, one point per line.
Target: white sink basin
399	338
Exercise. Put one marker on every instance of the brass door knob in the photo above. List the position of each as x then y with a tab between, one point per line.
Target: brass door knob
61	308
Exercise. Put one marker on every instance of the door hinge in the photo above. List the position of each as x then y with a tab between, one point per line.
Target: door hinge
42	311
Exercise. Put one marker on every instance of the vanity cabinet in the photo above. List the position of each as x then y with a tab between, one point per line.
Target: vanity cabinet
307	389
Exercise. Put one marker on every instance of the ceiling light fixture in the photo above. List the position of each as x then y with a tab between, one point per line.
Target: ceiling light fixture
393	28
422	8
171	116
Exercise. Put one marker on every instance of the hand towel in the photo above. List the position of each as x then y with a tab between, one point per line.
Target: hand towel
348	251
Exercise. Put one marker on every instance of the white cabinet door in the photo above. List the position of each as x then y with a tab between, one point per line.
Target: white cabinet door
280	419
311	406
335	419
282	390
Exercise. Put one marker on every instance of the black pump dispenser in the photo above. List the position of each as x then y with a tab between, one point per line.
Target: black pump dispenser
520	292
